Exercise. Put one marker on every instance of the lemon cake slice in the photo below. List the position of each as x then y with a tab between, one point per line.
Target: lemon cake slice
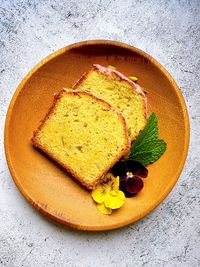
84	134
120	92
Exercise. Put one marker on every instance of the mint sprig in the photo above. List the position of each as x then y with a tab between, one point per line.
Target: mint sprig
148	148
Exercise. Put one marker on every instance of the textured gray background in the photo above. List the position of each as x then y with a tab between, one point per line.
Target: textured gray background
170	32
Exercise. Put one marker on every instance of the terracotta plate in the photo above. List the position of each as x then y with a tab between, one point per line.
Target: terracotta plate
44	184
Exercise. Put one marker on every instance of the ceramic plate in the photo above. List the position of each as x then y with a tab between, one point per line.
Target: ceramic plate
47	186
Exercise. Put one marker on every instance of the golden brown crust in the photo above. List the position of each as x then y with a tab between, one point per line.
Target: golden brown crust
135	87
74	174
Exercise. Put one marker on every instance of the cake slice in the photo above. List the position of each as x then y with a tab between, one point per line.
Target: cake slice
84	134
120	92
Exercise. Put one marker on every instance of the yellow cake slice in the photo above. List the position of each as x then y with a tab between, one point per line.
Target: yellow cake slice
120	92
84	134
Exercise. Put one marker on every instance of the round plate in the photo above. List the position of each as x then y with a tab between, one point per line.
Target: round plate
44	184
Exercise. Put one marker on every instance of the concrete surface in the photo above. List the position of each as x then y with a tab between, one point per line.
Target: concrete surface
170	32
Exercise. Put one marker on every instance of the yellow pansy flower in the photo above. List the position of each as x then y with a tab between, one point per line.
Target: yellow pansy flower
101	207
107	194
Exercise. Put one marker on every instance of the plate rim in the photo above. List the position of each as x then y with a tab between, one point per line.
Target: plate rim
56	53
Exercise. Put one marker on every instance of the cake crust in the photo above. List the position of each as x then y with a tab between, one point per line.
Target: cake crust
122	153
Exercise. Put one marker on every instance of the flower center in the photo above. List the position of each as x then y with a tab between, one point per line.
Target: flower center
129	174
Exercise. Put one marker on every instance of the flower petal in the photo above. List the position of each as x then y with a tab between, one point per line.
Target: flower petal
99	193
103	209
136	168
111	182
121	195
120	169
114	202
134	184
113	192
115	186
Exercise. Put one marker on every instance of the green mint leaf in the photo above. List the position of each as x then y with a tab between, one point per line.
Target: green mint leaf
147	148
150	152
149	133
143	157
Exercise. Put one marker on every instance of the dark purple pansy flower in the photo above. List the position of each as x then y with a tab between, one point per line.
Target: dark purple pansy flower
136	168
130	172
